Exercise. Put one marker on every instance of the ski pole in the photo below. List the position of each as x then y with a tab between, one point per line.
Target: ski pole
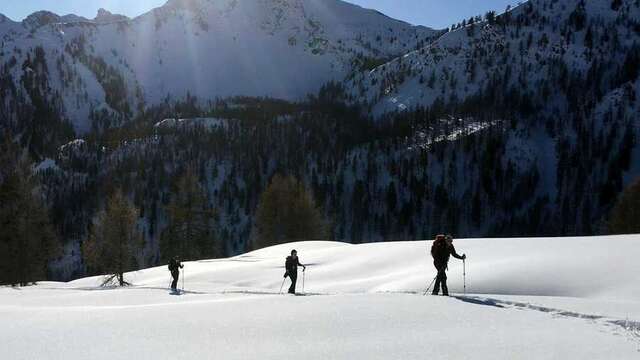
283	280
464	274
429	287
183	272
303	274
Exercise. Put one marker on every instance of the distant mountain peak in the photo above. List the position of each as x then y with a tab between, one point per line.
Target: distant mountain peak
105	16
187	4
4	19
41	18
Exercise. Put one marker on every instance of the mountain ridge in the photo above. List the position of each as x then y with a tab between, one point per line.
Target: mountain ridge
277	48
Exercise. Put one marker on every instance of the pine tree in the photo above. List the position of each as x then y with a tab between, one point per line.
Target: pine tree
27	239
115	241
190	232
616	4
286	212
625	215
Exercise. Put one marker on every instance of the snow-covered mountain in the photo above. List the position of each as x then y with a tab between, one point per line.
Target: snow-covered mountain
105	16
563	74
113	67
8	28
527	298
519	48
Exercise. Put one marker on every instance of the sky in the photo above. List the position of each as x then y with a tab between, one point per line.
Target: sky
432	13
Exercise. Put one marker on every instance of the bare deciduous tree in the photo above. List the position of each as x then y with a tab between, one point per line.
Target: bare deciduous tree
189	233
114	241
286	212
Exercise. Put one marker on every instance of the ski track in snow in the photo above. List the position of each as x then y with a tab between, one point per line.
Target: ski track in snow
630	327
624	327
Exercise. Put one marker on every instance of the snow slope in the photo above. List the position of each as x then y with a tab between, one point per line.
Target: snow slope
484	67
462	62
555	298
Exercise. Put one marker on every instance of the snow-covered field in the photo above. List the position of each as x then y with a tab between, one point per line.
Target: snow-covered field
555	298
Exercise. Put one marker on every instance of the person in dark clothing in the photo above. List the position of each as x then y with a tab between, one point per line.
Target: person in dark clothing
174	267
291	267
441	250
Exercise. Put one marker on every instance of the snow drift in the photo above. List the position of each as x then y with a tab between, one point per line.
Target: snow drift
589	267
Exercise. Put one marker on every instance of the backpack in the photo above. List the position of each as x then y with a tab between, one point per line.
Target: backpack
172	265
291	264
439	249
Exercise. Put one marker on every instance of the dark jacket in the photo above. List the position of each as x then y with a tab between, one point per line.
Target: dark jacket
174	265
291	265
441	251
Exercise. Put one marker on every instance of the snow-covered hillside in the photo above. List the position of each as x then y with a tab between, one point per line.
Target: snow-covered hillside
113	67
561	73
519	48
551	298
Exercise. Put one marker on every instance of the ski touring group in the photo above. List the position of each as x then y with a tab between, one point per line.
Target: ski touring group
441	251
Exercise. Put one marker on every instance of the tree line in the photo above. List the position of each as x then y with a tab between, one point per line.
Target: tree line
115	243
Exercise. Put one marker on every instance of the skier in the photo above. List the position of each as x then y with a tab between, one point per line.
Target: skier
441	249
291	267
174	267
